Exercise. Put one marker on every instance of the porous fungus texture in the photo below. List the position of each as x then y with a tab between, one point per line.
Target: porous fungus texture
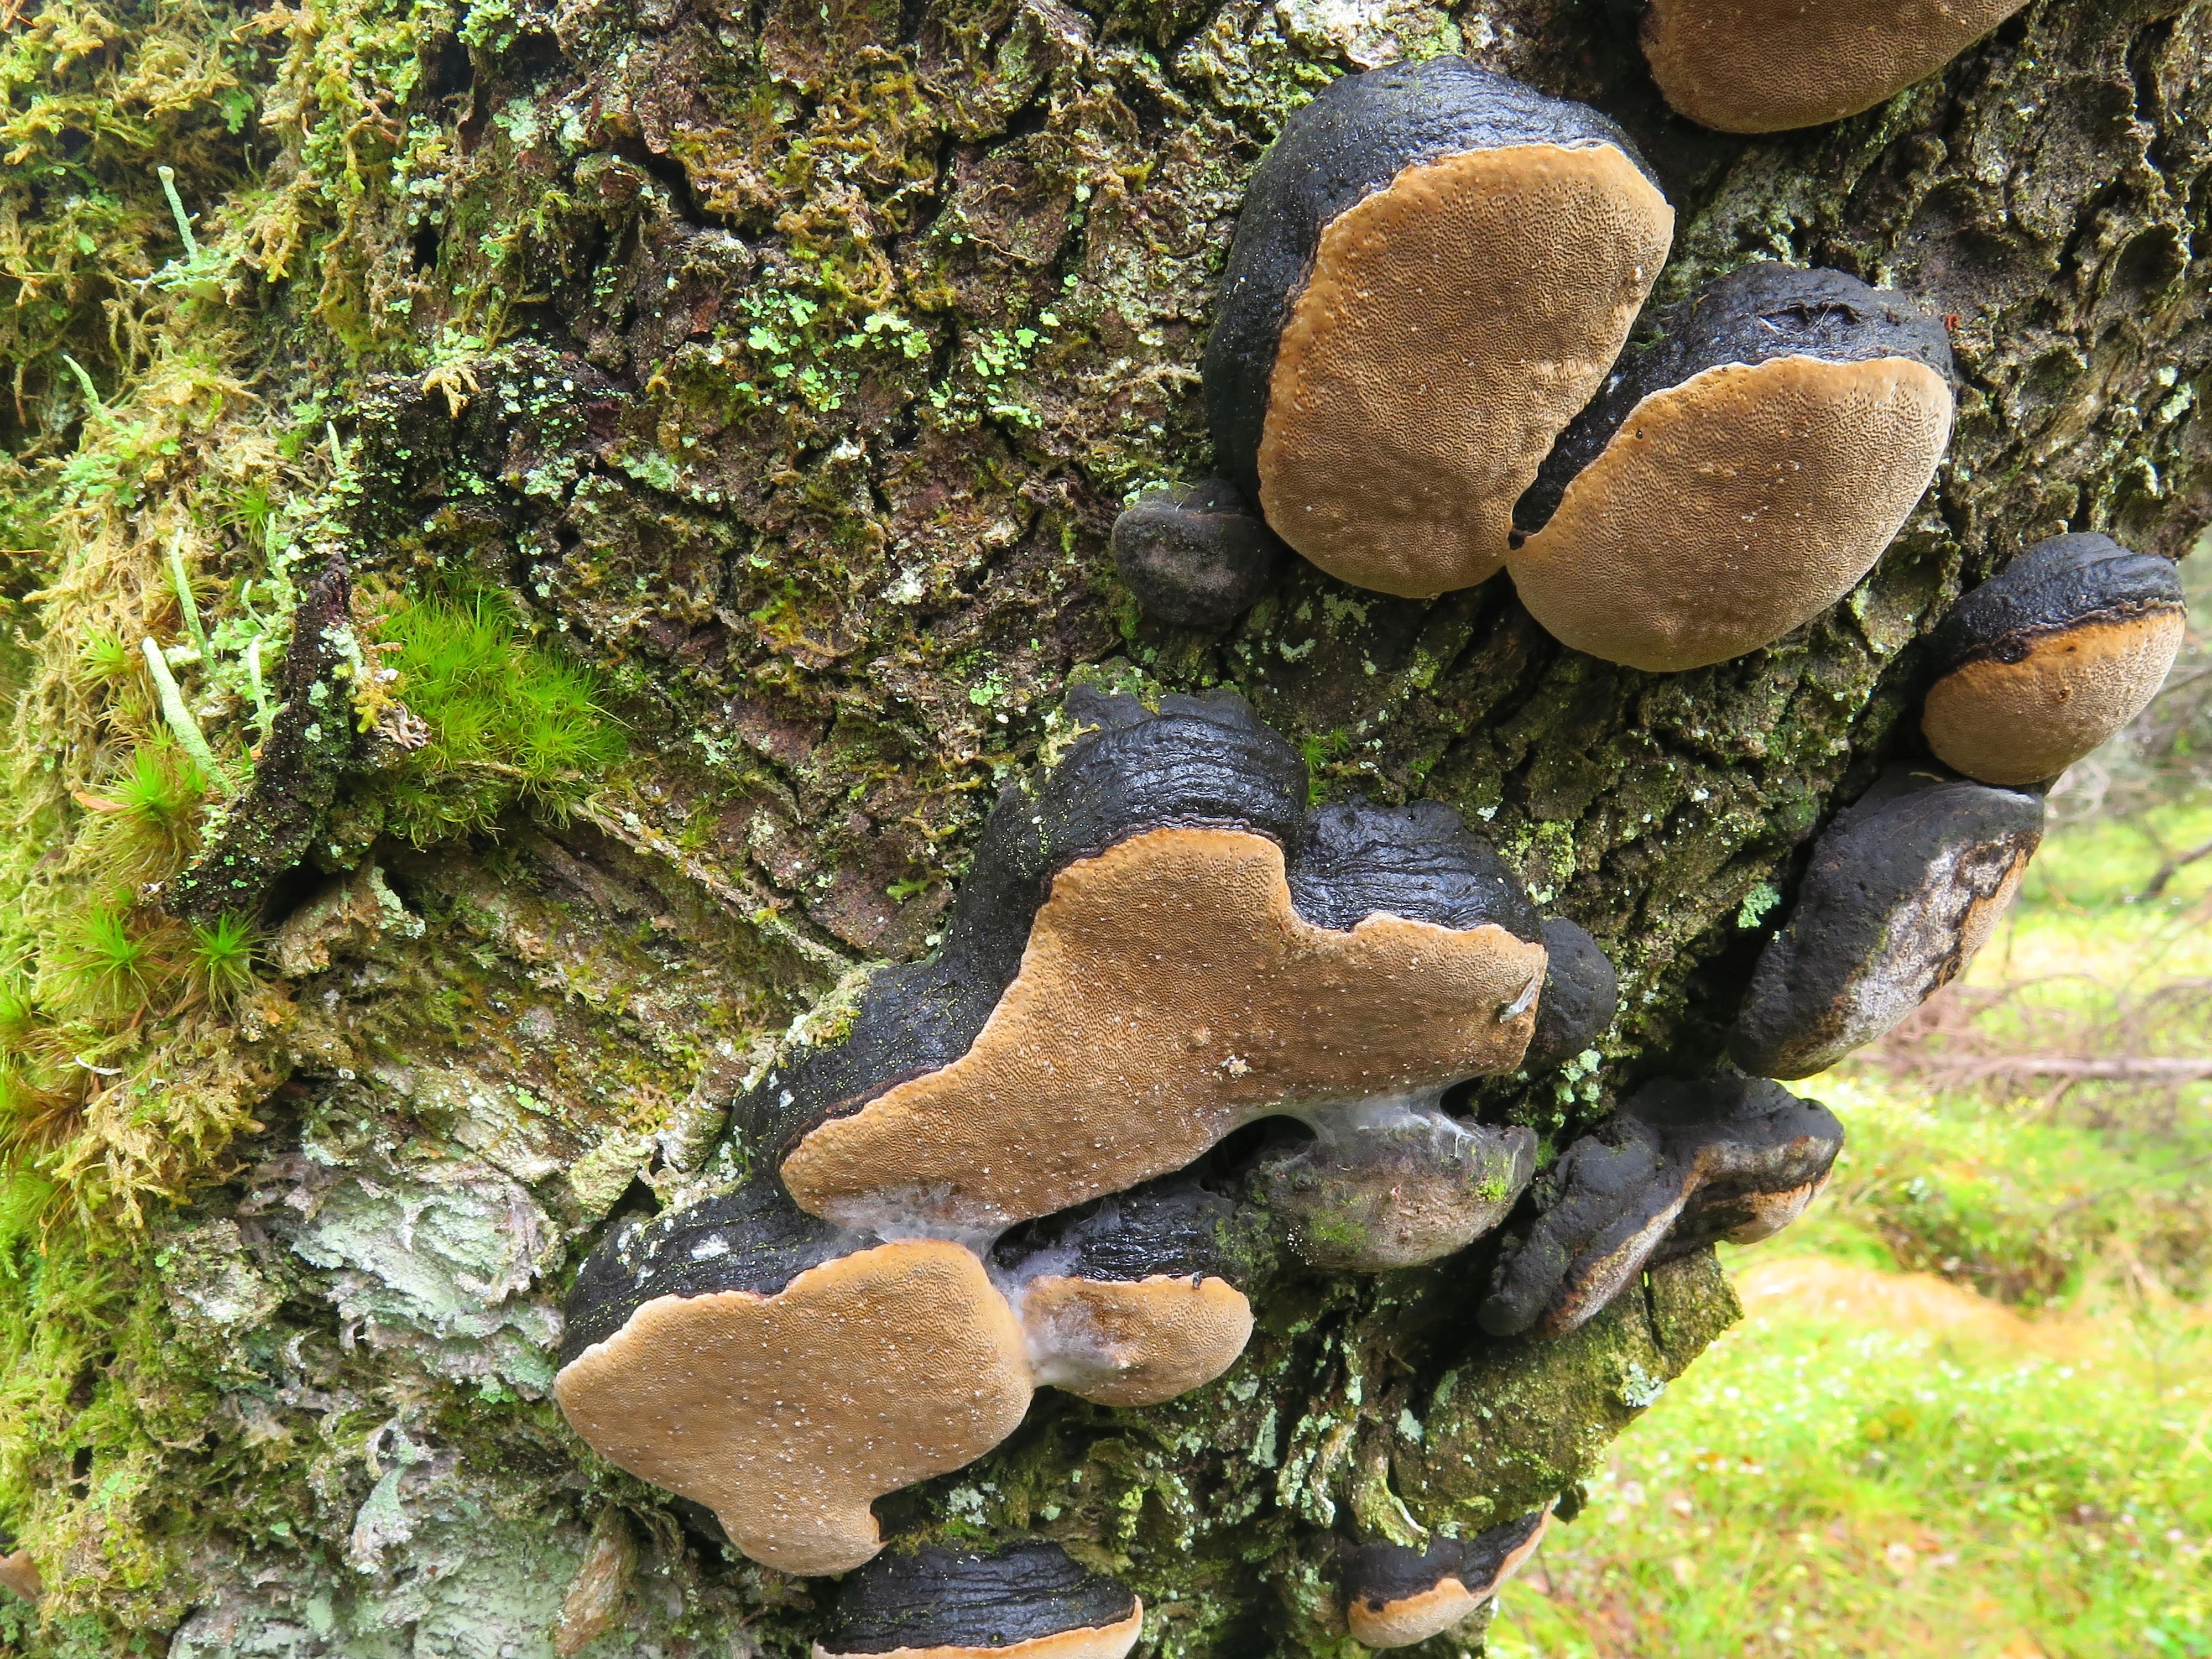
1767	65
756	1359
1433	269
1740	474
1169	994
1133	1342
1185	949
788	1414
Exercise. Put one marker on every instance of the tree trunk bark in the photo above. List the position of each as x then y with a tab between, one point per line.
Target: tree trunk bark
787	367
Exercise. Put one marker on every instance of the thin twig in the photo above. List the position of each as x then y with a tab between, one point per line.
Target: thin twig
2173	867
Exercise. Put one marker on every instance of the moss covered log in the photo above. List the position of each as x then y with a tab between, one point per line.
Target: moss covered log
719	414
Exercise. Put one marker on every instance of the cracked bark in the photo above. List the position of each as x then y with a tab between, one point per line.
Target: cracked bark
849	326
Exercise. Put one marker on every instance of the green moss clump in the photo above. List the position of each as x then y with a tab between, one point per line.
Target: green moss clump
501	720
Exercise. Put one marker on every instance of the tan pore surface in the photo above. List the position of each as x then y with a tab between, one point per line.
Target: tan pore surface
2021	722
788	1415
1768	1213
1133	1342
1091	1642
1169	994
19	1573
1730	509
1769	65
1455	322
1412	1618
1416	1618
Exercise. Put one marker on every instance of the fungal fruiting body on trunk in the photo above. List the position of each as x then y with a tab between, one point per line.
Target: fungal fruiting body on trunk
1400	1180
1741	475
1395	1595
1903	889
1581	996
1159	942
1680	1165
1397	1183
2050	657
1132	1299
1028	1600
755	1359
19	1574
1769	65
1434	267
1194	555
1158	945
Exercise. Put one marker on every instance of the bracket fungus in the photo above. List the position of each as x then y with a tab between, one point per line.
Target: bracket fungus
745	1355
1395	1595
1740	476
1769	65
2052	656
1157	944
1903	889
1434	267
1132	1299
1029	1600
1680	1165
19	1574
1193	554
1396	1182
1581	996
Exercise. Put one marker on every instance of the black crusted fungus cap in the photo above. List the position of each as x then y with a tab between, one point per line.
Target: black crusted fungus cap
1418	861
1397	1595
753	1239
1200	930
1200	761
2049	658
1195	554
1172	1226
1581	996
1902	890
1680	1164
2064	582
1753	315
938	1598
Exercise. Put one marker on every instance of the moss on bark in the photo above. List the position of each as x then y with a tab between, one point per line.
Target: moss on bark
785	366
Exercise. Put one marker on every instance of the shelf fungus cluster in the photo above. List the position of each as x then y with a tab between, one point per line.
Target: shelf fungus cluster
1414	380
2030	671
1006	1170
1020	1164
1002	1174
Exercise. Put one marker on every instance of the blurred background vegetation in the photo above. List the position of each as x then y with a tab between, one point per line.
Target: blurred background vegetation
1970	1411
